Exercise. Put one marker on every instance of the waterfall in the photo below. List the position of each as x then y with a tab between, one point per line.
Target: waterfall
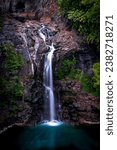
48	81
48	74
23	35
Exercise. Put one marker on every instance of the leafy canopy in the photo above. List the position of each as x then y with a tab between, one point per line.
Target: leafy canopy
85	17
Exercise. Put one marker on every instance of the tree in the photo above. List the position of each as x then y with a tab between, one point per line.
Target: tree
85	16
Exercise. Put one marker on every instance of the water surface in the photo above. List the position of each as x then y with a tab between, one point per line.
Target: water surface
46	137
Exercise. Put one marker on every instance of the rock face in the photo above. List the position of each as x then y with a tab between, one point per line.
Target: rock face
24	37
27	9
76	107
21	5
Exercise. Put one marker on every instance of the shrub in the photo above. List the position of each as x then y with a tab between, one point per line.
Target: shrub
96	77
89	84
86	82
85	17
12	60
66	69
11	88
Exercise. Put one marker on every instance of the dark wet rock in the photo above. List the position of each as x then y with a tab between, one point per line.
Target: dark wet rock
22	19
22	5
78	107
18	113
39	13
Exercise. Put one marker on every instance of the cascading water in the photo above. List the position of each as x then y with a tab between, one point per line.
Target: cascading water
45	34
23	35
48	81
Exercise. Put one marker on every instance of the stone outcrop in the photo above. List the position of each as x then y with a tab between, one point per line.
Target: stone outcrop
24	37
22	5
78	107
28	9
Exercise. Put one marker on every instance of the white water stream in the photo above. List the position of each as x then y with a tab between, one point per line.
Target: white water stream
48	74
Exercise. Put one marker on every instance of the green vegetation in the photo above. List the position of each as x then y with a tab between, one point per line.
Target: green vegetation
85	17
12	61
11	88
90	84
96	77
68	70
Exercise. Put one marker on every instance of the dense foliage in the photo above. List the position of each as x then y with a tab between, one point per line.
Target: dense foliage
11	88
85	17
68	70
96	78
90	84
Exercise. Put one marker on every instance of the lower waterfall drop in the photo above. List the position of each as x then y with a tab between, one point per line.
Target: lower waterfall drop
49	98
48	82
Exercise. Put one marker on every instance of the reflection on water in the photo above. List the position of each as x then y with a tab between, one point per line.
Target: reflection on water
47	137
